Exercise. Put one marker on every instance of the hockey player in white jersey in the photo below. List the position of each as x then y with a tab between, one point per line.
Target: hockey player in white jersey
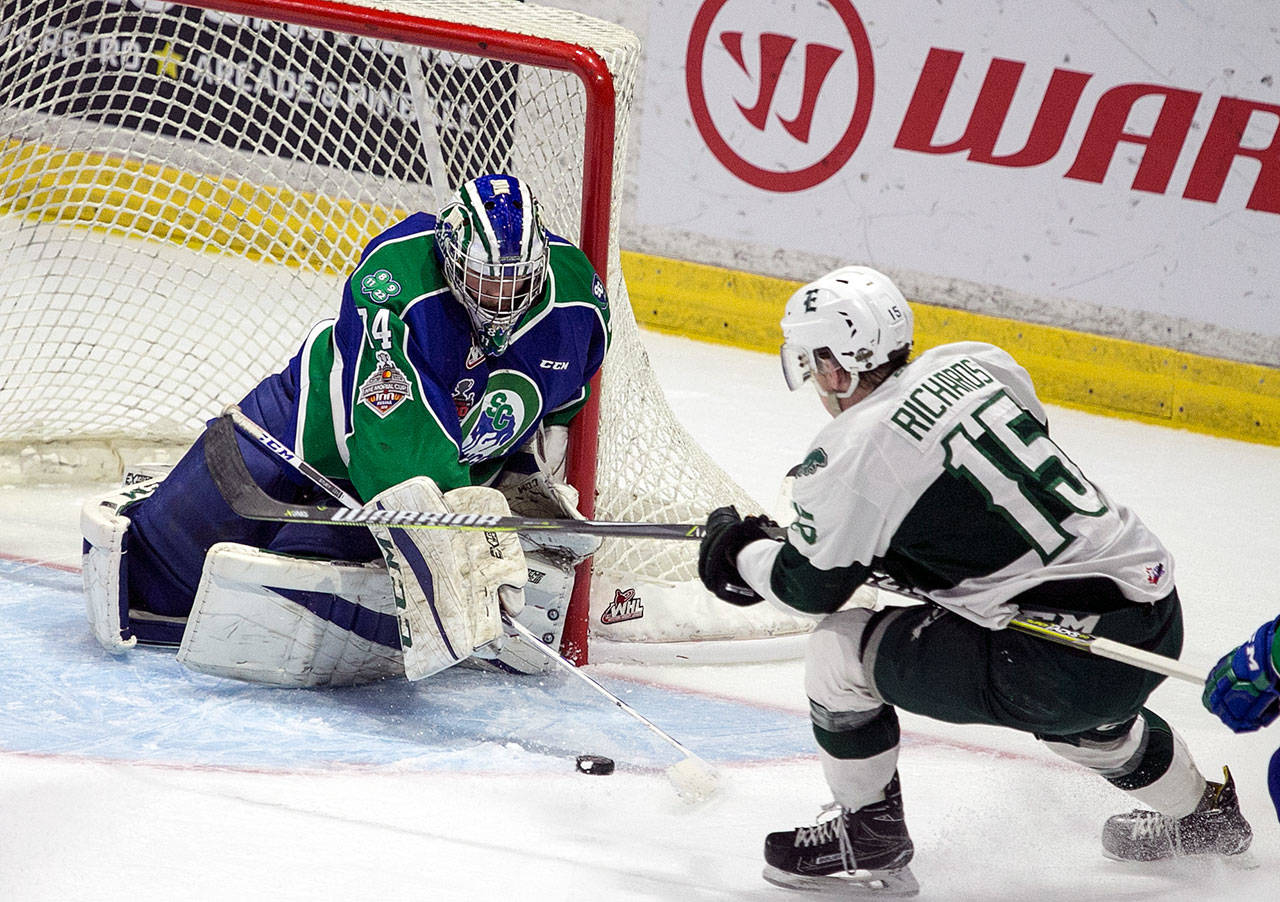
940	473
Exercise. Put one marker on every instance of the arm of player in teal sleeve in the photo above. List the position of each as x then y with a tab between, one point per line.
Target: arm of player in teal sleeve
801	585
785	576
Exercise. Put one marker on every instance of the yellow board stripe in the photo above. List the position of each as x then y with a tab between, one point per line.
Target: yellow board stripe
280	225
204	212
1100	375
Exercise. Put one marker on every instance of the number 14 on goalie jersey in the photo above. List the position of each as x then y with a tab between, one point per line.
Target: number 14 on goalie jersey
946	479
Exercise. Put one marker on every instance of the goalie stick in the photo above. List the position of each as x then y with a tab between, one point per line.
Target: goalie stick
694	779
246	498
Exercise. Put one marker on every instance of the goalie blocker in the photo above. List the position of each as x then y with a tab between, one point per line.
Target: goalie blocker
284	620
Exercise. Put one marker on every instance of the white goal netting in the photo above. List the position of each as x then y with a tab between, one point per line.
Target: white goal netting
183	189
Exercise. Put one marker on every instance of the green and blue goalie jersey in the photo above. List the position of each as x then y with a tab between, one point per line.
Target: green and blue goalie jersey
395	388
945	478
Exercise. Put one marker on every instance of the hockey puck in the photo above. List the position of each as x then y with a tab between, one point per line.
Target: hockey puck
596	765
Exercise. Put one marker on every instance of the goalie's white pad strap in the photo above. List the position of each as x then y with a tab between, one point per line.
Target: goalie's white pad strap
445	581
285	621
104	529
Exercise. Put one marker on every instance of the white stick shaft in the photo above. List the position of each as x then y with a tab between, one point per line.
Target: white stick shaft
1109	648
566	664
1118	651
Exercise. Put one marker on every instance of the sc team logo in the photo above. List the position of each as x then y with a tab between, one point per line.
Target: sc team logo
782	102
511	404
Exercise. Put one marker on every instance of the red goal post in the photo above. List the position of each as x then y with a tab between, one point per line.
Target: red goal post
184	185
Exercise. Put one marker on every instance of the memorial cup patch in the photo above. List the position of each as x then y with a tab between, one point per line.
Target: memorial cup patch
386	388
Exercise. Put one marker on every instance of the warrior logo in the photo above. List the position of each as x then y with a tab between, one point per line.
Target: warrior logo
625	606
379	286
813	462
474	357
464	397
386	388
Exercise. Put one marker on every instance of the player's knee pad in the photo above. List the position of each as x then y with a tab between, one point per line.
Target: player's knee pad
280	620
105	530
836	678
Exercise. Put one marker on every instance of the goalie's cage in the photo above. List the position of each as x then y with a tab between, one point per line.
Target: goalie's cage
183	188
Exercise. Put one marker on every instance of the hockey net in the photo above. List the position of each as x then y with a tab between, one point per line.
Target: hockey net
183	189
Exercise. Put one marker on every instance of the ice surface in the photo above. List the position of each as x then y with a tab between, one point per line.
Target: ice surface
132	779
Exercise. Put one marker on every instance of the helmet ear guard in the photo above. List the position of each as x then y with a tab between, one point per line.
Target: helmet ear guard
494	254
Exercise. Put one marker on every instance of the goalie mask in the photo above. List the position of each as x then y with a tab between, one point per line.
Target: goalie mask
849	322
493	251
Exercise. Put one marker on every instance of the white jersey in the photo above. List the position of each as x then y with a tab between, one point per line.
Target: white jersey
945	479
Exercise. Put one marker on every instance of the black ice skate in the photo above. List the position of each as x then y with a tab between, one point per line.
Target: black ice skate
1216	827
854	853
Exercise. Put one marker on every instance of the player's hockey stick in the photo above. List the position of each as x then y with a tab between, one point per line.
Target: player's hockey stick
693	778
1074	638
247	499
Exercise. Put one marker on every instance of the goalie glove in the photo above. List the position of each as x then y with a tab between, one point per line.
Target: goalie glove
533	483
727	534
533	480
1242	688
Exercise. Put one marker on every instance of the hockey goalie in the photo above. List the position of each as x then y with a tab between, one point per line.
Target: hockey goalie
464	344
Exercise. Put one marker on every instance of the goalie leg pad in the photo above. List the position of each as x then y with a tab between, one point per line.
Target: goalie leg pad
285	621
107	538
105	530
446	582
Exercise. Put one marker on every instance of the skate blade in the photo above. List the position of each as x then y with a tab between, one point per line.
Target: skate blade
849	885
1242	861
1239	861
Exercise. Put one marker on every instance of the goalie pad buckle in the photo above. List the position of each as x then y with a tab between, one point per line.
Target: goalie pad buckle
546	601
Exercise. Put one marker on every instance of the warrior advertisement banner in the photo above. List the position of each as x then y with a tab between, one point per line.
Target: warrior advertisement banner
1117	155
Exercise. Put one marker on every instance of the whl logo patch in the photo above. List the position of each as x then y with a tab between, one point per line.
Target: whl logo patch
386	388
625	606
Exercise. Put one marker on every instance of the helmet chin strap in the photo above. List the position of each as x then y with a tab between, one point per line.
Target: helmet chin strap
831	399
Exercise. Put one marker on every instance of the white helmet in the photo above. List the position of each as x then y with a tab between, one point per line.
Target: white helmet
856	317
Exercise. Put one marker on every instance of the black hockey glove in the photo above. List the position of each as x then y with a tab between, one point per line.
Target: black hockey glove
727	534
